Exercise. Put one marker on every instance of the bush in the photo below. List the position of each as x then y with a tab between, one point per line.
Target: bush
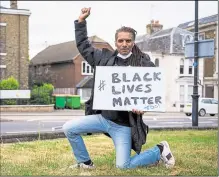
9	84
42	94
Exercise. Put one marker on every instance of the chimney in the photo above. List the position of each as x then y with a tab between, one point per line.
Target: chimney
153	27
13	4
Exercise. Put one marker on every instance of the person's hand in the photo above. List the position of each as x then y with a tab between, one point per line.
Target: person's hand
85	12
138	112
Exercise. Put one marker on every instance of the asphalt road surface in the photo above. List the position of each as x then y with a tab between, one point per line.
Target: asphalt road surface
47	123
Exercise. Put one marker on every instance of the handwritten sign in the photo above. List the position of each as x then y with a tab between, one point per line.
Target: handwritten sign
127	88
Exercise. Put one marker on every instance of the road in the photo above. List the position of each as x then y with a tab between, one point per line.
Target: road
18	123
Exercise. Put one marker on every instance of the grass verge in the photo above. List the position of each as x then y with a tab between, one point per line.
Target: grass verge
196	153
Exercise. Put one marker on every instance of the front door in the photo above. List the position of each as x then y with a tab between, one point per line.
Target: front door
209	91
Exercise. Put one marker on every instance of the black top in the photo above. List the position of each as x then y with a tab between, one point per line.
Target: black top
119	117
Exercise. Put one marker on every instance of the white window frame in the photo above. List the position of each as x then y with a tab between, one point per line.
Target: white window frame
201	34
190	60
180	94
86	65
189	98
182	102
183	36
183	66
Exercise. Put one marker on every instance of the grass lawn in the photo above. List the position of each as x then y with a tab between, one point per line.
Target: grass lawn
196	153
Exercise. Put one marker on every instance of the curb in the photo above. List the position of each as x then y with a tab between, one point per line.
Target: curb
25	137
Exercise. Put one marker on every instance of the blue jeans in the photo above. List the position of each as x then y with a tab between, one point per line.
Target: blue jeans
121	136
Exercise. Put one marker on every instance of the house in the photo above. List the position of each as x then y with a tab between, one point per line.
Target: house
166	49
208	29
64	67
14	43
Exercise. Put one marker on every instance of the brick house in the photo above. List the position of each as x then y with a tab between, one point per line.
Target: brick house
14	43
208	29
65	67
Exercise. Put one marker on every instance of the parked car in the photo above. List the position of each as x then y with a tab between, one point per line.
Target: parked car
206	106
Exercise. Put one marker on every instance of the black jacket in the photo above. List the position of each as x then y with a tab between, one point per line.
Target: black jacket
105	57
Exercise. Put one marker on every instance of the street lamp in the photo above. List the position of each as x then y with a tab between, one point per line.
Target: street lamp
198	49
195	95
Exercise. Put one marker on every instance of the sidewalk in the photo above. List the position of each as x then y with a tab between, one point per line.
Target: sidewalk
69	112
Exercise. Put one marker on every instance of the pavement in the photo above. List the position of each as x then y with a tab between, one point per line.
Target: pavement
26	126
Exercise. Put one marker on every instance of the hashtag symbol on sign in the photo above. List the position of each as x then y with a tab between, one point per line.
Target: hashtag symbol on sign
101	86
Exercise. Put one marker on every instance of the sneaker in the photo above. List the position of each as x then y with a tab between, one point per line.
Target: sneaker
167	156
83	166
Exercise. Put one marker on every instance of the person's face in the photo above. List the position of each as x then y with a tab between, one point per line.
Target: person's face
124	43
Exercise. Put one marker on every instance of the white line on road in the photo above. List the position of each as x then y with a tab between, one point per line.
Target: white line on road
31	120
53	121
55	128
206	122
154	118
29	131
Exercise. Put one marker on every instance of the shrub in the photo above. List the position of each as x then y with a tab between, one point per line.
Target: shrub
42	94
9	84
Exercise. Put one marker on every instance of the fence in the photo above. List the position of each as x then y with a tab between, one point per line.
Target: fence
70	91
37	96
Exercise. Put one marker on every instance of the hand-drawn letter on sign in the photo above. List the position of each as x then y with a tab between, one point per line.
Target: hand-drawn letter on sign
127	88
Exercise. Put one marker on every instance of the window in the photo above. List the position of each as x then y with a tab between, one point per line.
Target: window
201	36
206	101
181	93
190	92
181	66
190	66
213	101
157	62
86	69
186	38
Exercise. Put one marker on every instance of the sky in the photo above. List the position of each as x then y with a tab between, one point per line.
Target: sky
52	22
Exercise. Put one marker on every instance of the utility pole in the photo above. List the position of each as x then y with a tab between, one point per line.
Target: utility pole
195	95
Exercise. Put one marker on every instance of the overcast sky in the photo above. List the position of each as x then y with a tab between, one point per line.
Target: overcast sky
52	22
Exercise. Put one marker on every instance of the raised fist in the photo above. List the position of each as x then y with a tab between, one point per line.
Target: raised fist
85	12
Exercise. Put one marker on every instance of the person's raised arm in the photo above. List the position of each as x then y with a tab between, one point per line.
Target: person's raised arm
89	53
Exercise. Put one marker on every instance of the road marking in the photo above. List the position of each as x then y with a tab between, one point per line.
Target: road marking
53	121
154	118
31	120
55	128
206	122
29	131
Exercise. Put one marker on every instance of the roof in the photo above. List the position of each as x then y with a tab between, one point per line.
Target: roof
162	32
205	20
86	82
166	41
59	53
140	38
